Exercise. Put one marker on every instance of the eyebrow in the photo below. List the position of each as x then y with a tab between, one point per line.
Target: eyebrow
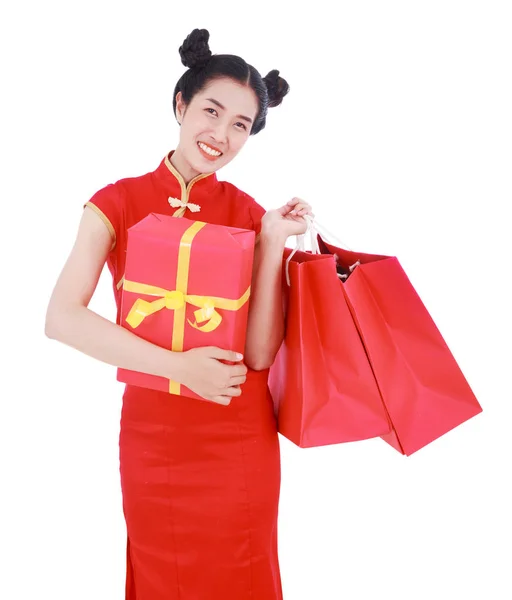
217	103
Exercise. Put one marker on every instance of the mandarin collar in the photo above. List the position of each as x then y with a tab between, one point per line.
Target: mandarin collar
172	178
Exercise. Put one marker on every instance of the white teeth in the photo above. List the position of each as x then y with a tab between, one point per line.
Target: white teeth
208	150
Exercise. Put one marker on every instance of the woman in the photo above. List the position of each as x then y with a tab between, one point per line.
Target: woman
200	480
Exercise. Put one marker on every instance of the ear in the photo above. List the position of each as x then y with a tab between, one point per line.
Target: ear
180	107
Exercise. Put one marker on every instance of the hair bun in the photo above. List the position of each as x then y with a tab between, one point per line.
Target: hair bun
277	88
195	51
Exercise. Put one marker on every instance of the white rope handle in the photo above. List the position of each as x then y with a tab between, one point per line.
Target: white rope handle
327	235
313	229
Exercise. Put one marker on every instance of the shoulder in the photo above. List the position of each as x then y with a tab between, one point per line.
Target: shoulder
243	199
113	200
123	187
129	185
249	210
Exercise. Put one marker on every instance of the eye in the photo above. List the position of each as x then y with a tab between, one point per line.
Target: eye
239	123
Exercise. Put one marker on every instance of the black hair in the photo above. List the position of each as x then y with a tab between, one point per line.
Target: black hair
203	67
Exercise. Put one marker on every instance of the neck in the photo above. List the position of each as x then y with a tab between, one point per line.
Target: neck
182	166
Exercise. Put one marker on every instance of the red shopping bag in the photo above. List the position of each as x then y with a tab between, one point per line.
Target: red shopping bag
322	384
425	393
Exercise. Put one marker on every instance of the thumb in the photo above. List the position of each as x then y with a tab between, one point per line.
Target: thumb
221	354
284	210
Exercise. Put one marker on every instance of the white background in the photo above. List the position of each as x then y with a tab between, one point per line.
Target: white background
397	130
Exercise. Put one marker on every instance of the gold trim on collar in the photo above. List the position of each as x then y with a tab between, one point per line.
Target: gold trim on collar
185	189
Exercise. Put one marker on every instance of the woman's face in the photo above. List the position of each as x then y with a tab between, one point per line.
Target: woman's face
220	118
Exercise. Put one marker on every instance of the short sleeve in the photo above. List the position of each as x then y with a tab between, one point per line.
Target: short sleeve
108	204
255	214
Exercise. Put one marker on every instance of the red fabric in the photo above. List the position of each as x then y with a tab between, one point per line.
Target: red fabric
321	382
221	262
200	481
129	200
424	390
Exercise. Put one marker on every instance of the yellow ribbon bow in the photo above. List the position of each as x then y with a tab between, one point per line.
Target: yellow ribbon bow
176	300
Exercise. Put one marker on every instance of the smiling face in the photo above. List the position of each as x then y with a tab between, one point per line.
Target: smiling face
214	126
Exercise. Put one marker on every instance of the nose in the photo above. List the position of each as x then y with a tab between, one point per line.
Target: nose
220	133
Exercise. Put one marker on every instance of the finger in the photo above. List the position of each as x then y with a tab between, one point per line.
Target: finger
305	212
234	390
284	210
224	400
301	207
237	370
221	354
295	201
238	380
298	218
301	210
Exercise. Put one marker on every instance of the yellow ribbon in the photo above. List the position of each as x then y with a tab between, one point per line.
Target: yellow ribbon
177	300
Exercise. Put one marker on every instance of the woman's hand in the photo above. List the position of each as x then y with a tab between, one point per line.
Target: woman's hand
202	371
287	220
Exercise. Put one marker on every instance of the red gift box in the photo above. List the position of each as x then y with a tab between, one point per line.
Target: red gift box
186	285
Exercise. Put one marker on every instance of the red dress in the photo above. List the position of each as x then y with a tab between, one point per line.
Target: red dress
200	481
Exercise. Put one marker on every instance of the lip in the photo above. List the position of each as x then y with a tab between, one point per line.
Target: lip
208	156
210	146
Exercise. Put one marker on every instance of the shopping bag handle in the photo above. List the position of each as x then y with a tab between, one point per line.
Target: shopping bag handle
314	228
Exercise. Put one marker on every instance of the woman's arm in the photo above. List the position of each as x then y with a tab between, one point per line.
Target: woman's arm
266	323
68	319
265	327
